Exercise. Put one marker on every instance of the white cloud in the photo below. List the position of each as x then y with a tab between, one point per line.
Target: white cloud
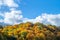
16	17
1	20
51	19
1	14
13	17
9	3
46	19
1	2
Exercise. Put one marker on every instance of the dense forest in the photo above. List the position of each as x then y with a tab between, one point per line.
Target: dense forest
30	31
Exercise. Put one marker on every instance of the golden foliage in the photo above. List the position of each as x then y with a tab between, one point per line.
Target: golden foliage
29	31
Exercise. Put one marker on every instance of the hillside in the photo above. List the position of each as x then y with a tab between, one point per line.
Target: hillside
30	31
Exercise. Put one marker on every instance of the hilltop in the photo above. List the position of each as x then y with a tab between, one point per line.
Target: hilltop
30	31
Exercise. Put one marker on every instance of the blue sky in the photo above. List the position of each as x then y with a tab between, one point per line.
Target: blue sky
36	7
17	11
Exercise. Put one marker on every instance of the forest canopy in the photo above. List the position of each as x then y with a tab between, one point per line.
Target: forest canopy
30	31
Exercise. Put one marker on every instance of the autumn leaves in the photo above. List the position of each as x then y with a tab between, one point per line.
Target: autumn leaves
30	31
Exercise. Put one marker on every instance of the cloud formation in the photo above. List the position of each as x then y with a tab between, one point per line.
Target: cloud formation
9	3
12	17
46	19
15	16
